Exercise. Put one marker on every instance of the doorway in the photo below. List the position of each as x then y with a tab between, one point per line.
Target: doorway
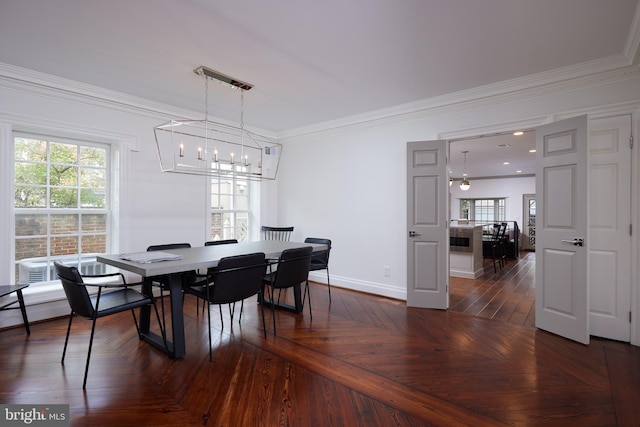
610	301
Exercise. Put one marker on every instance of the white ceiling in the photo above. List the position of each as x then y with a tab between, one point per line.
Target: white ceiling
494	156
310	61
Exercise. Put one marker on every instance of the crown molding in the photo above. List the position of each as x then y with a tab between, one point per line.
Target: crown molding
30	81
598	72
42	84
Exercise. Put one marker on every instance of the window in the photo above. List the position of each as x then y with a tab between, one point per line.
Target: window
230	209
61	205
482	210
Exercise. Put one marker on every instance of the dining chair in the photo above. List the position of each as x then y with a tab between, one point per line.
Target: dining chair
111	298
501	243
495	247
320	259
235	279
211	271
291	270
8	290
276	233
162	282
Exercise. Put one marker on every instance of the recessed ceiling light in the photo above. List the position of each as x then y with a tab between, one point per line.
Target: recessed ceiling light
518	133
532	151
518	171
505	163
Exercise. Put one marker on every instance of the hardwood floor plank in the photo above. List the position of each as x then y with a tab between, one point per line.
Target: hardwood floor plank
363	360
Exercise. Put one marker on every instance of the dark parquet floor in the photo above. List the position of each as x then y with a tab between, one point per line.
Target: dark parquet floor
363	360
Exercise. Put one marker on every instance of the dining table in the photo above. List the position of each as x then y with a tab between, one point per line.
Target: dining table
173	264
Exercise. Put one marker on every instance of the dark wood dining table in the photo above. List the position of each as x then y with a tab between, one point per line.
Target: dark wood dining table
194	258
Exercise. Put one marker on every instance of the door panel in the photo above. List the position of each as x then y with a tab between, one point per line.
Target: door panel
428	225
609	221
561	196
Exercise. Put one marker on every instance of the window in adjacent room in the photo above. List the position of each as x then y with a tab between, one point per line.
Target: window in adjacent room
483	210
61	205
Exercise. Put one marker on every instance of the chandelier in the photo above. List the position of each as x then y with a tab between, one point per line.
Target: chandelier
464	184
204	147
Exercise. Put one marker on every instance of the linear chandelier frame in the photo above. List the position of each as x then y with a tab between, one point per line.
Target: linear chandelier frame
204	147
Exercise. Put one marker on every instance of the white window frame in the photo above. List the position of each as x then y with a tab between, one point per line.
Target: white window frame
499	210
43	264
251	188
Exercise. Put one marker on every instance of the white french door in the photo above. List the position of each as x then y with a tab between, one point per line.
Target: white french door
562	246
427	225
609	227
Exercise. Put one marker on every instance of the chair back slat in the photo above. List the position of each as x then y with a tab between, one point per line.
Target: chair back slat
276	233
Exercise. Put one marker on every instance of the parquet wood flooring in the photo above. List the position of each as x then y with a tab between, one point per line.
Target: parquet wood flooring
507	295
364	360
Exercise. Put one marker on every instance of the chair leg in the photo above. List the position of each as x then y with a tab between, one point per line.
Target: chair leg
494	257
273	310
86	369
328	285
264	325
66	341
164	322
209	323
241	310
308	292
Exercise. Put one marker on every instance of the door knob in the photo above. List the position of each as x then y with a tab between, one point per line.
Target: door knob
413	234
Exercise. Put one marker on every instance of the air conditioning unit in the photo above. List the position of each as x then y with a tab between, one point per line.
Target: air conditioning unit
34	270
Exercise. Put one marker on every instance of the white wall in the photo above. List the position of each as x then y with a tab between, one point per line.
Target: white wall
344	180
348	183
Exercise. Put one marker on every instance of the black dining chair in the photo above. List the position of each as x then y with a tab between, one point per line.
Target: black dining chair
211	271
291	270
235	279
276	233
501	243
162	282
320	259
495	247
110	299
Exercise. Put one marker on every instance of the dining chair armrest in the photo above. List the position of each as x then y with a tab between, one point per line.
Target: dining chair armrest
124	283
105	275
106	285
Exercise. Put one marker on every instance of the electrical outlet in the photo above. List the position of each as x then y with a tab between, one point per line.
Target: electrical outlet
387	270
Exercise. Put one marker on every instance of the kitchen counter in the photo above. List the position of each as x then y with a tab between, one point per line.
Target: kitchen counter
465	250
